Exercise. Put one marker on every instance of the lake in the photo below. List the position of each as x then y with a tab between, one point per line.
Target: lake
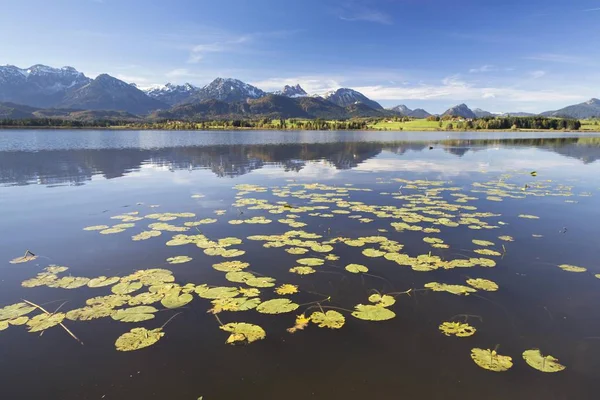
379	238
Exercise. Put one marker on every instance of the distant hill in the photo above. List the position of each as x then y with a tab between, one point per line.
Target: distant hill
407	112
17	111
344	97
108	93
460	110
589	109
518	114
272	106
482	113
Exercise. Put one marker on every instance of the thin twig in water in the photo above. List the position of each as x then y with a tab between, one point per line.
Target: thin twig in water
61	324
169	320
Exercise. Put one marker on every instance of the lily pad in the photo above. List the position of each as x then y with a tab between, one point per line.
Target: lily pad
301	323
231	266
356	268
330	319
373	253
277	306
234	304
457	329
134	314
483	284
70	282
145	235
179	259
89	313
217	292
572	268
483	243
490	360
112	300
536	360
372	313
138	338
454	289
102	281
126	287
96	228
286	289
243	332
382	300
311	262
15	311
302	270
41	322
175	300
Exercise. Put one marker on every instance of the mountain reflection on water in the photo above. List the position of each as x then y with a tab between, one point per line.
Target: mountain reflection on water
78	166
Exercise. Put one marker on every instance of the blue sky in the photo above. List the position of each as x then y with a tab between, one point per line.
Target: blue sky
498	55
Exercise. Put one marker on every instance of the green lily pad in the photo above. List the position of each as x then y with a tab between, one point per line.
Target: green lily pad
277	306
126	287
234	304
286	289
15	311
41	322
373	253
311	262
330	319
238	276
111	301
243	332
572	268
231	266
356	268
217	292
175	300
179	259
134	314
89	313
382	300
302	270
454	289
457	329
261	282
102	281
483	284
138	338
372	313
146	298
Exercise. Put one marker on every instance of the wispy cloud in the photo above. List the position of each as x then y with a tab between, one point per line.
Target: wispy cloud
557	58
537	74
357	11
483	68
591	9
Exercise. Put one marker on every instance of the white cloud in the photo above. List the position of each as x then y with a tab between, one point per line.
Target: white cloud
355	11
483	68
537	74
557	58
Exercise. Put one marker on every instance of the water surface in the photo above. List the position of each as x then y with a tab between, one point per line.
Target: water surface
55	183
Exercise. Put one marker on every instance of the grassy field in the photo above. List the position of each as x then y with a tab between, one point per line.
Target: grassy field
414	125
590	125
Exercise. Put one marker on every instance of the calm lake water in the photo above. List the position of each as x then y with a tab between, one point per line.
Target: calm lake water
55	183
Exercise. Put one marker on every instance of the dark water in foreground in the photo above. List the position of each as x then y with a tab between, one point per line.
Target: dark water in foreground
53	184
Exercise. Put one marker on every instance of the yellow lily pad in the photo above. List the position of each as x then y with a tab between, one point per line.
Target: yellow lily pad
243	332
302	270
356	268
535	359
372	313
457	329
179	259
572	268
126	287
138	338
382	300
41	322
286	289
483	284
103	281
134	314
490	360
277	306
330	319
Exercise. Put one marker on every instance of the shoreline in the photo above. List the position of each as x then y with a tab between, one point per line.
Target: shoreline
128	128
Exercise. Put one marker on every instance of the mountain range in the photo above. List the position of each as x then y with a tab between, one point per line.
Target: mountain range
40	91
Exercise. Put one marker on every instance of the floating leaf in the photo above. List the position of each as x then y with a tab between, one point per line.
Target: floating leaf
126	287
23	259
311	262
111	301
238	276
41	322
243	332
286	289
489	359
542	363
383	301
487	252
175	300
484	243
55	269
249	292
454	289
96	228
373	253
18	321
70	282
506	238
145	298
483	284
457	329
301	323
179	259
102	281
302	270
138	338
572	268
330	319
234	304
526	216
296	250
356	268
134	314
217	292
111	231
145	235
372	313
89	313
231	266
15	311
276	306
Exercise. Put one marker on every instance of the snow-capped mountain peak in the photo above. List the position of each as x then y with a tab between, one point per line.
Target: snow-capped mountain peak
292	91
171	93
344	97
230	90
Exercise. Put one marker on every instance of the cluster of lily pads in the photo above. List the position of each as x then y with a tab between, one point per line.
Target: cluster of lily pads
422	210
